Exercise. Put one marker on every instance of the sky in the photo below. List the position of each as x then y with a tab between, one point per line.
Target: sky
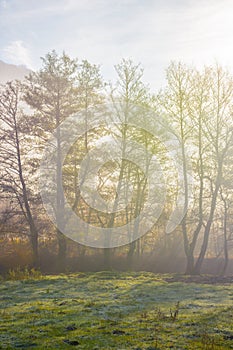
152	32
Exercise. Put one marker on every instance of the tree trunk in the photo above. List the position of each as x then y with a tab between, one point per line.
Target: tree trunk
226	257
62	247
107	258
130	254
60	200
27	208
199	262
190	264
34	245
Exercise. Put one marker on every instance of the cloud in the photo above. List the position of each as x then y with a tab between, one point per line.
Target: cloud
150	32
3	4
34	10
17	53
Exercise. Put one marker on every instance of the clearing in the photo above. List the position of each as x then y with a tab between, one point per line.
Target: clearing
113	310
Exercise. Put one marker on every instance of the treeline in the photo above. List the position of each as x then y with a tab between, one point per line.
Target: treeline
196	108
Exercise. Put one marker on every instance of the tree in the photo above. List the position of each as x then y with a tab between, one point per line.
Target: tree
218	131
52	93
89	93
14	175
198	107
129	91
174	103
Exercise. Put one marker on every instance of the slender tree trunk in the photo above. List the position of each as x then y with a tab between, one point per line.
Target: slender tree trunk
190	267
110	223
226	256
130	254
199	262
107	258
62	246
28	213
34	244
186	195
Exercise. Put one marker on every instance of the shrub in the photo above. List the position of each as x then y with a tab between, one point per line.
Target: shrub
23	274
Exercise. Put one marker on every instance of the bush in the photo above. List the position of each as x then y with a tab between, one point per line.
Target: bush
23	274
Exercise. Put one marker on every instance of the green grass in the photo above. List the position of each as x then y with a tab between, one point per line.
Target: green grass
110	310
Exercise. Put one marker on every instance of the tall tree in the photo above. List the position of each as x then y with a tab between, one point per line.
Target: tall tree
173	102
89	93
130	91
218	132
14	170
198	106
52	93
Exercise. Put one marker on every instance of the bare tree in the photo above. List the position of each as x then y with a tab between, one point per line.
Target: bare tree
14	175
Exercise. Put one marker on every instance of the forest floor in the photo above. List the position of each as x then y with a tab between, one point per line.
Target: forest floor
113	310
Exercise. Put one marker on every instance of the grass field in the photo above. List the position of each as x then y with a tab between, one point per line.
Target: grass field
110	310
